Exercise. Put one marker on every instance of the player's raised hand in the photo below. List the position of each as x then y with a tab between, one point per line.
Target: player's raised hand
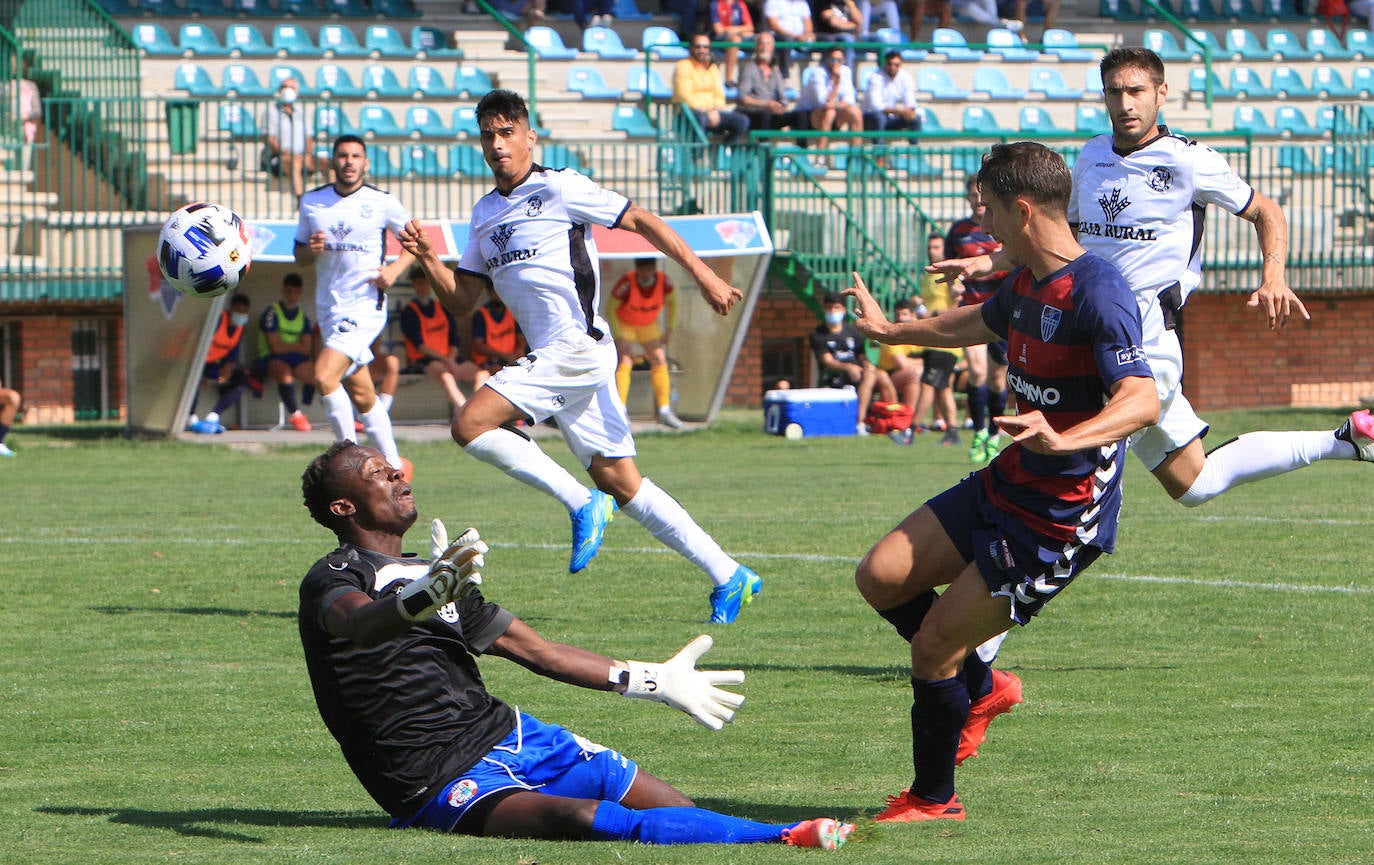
952	270
454	571
1278	302
681	685
870	319
414	240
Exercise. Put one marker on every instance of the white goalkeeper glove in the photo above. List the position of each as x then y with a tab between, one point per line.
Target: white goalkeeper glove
681	685
454	571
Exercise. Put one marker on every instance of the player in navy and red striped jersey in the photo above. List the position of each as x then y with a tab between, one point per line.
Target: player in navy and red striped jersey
1008	538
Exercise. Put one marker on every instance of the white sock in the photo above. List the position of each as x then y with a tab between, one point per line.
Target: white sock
377	423
987	652
669	521
340	410
385	400
212	417
523	460
1259	455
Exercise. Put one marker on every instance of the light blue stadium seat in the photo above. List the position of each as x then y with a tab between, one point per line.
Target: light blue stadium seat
1091	120
332	121
1198	78
337	40
1297	159
548	45
382	166
936	81
588	81
238	120
978	118
1288	81
632	120
1325	45
247	40
1248	118
1092	82
467	160
1360	43
291	40
1037	121
929	122
953	45
1284	46
605	43
1064	45
242	80
1245	81
1330	84
1201	10
382	81
197	40
1362	81
1163	43
561	156
1242	10
207	8
888	36
993	81
430	81
395	9
255	8
653	84
379	121
426	122
1119	10
281	71
663	42
421	161
1048	81
348	8
1009	46
382	40
1245	45
916	165
429	43
334	80
1208	42
1347	159
471	81
154	40
628	10
1290	119
465	121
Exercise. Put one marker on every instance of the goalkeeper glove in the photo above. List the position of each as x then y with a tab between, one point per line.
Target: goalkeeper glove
681	685
454	571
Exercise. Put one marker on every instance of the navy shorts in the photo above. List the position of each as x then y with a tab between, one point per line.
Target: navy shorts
535	756
997	352
1024	566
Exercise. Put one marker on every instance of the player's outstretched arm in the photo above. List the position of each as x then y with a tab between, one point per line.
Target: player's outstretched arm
1274	296
953	328
720	294
954	269
458	292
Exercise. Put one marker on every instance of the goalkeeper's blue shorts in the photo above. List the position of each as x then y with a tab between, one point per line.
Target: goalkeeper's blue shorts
535	756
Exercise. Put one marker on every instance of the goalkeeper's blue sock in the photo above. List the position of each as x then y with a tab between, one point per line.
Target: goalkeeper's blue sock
615	822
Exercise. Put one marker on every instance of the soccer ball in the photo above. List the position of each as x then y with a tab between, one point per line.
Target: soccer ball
203	250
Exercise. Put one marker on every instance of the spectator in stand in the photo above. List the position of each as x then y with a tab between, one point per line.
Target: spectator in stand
496	340
843	361
917	9
697	86
731	22
903	364
286	348
1018	13
10	400
530	12
985	12
222	366
288	133
837	21
828	94
886	8
601	14
27	104
889	100
431	340
763	91
789	21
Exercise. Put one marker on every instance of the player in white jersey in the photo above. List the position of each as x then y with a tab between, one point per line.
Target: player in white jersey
530	242
1139	197
342	231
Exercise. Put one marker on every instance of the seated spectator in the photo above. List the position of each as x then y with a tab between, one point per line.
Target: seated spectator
10	400
763	92
286	349
731	22
431	340
843	362
789	21
892	18
1016	10
837	21
222	367
903	364
985	12
530	12
918	9
889	100
496	340
828	94
288	134
698	88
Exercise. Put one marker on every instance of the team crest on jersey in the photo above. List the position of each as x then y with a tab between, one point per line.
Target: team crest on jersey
502	235
462	793
533	206
1113	205
1049	322
367	211
340	230
1161	179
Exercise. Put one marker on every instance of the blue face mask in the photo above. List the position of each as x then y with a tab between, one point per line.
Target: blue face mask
238	319
833	318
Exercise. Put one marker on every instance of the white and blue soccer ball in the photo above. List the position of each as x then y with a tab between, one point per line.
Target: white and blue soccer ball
203	250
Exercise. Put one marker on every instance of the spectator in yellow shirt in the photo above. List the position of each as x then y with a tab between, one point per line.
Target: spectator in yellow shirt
697	86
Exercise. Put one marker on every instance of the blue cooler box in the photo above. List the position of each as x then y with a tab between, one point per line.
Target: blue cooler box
819	411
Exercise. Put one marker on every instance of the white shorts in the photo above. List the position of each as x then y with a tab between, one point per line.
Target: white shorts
572	380
1178	423
351	330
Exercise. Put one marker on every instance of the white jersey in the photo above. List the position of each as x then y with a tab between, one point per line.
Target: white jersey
1143	212
535	246
355	229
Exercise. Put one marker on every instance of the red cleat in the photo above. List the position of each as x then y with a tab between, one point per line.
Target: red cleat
906	808
826	833
299	421
1005	693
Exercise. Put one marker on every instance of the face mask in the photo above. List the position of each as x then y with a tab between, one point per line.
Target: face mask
834	318
286	97
238	319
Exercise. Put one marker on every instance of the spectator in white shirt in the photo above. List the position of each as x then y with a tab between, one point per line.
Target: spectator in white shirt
889	100
289	135
828	93
790	21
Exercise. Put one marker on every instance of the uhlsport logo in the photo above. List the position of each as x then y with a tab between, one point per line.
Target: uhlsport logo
502	235
1113	205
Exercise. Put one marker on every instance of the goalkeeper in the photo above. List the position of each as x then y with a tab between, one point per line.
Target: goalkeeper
391	643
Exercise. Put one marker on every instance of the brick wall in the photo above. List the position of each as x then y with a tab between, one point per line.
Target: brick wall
777	315
43	357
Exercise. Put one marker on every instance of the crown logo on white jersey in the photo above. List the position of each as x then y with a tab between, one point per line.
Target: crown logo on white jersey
340	230
1113	205
502	235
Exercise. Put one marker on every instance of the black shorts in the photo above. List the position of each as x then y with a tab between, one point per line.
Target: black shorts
939	368
997	352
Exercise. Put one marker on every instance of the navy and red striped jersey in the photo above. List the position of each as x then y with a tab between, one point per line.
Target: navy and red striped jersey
967	239
1071	337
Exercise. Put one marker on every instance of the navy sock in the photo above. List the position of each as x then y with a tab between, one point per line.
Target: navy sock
307	393
977	676
227	398
938	712
997	405
287	392
4	431
978	407
907	617
615	822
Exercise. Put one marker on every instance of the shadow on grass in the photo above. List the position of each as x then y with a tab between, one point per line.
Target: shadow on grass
218	823
77	432
196	611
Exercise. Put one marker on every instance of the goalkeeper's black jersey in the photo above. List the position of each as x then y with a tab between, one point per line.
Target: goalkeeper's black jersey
410	714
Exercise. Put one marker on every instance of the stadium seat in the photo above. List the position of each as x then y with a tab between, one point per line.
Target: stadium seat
395	9
1346	159
429	43
631	120
1287	83
425	122
251	8
207	8
120	8
334	80
466	160
1119	10
993	82
1198	79
1330	84
1242	44
382	40
548	45
347	8
377	121
663	43
929	121
243	81
953	45
936	81
421	161
1289	120
1201	10
605	43
1009	46
237	119
916	165
247	40
337	40
1335	120
291	40
561	156
1048	81
471	81
1322	44
888	36
979	119
653	83
430	81
1037	121
1362	81
197	40
1064	45
1246	82
332	121
588	81
380	82
1250	119
1091	120
154	41
301	8
628	10
381	166
1092	82
1283	10
1295	158
1168	5
1282	45
160	7
1360	44
1163	43
1209	43
282	71
1243	10
465	121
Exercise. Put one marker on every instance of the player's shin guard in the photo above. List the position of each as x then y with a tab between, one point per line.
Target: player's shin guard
615	822
523	460
340	410
938	712
1259	455
669	521
907	617
377	423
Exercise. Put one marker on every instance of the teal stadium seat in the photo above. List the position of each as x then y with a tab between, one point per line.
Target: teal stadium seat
1010	47
1064	45
1284	46
1198	79
333	80
1046	80
347	8
1090	120
663	43
1362	81
377	121
587	81
1360	44
238	121
380	82
1201	10
301	8
1297	159
430	81
1092	82
1288	81
561	156
337	40
631	120
421	161
395	9
382	40
605	43
207	8
197	40
993	82
653	84
243	81
1328	82
282	71
1290	120
1322	44
979	119
1119	10
382	166
1168	6
425	122
954	46
467	160
153	40
465	121
331	121
1246	82
936	81
916	165
291	40
1248	118
1163	43
1243	10
930	122
1243	44
471	81
161	8
247	41
429	43
548	45
888	36
1037	121
251	8
1209	44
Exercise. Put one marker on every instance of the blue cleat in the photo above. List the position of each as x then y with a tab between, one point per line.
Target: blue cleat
726	600
588	526
206	427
